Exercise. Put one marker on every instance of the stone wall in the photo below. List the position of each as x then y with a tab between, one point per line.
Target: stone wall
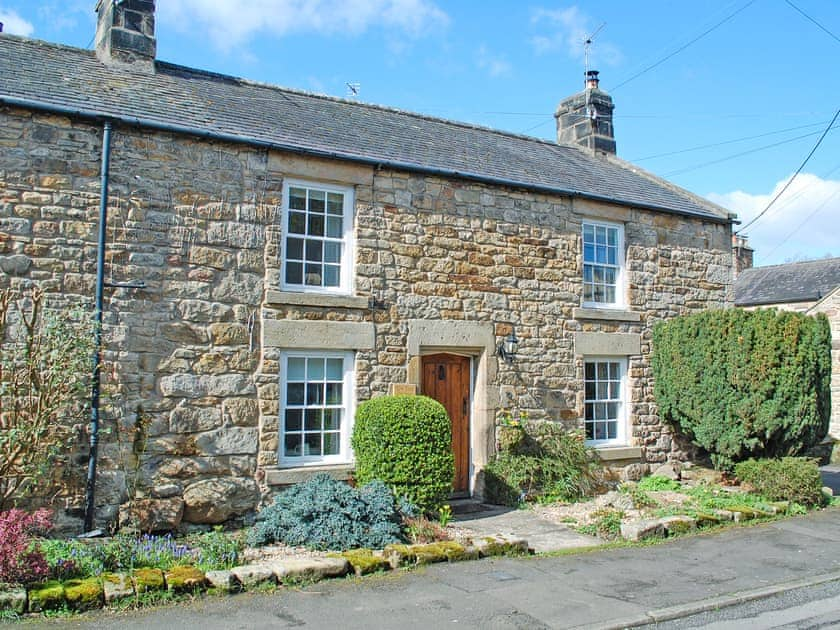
830	306
191	374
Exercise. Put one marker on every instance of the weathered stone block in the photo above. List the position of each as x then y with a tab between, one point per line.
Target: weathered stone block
310	568
642	529
241	411
253	575
216	500
13	599
152	515
222	334
228	441
222	581
197	386
185	419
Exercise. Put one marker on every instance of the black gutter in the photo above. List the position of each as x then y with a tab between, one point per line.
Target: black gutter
90	485
323	153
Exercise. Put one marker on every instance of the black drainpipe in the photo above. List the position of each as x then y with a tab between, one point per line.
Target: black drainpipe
97	333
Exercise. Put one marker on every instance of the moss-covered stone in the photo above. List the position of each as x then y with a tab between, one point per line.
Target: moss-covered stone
746	513
12	599
48	596
86	594
185	579
117	586
148	579
705	519
364	561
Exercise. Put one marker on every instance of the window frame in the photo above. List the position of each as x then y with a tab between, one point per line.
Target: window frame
345	454
620	266
623	400
346	285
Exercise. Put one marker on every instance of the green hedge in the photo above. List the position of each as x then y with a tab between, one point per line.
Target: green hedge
406	442
743	384
787	479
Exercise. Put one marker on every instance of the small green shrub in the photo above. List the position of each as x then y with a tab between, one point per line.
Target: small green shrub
658	483
406	442
323	513
744	384
606	523
550	464
216	549
641	499
788	479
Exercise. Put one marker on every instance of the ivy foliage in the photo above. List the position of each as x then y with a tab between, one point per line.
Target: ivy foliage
406	442
323	513
743	384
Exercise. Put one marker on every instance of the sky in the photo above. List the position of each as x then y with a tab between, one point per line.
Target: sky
723	98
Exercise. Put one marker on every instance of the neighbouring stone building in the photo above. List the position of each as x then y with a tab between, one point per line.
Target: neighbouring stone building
274	257
808	287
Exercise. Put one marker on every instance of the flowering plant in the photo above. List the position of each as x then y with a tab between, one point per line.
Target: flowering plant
21	559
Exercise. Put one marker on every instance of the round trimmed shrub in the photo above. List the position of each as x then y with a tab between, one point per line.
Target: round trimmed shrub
406	442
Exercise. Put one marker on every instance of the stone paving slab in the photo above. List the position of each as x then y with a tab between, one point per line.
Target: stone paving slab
542	535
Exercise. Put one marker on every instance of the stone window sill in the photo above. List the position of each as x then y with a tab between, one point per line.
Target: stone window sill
616	453
607	314
287	298
286	476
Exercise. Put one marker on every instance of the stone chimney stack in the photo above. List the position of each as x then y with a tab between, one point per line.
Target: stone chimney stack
125	33
587	118
742	253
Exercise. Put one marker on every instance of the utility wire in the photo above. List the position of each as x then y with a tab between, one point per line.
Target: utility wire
830	34
801	225
725	142
683	47
688	169
792	177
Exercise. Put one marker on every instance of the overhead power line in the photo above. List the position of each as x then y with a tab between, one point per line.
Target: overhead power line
683	47
725	142
792	177
830	34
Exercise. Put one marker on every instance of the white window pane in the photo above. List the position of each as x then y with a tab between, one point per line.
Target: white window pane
335	369
312	444
612	429
612	256
590	431
293	445
588	233
312	420
294	273
317	201
335	203
589	371
313	275
296	369
334	393
294	249
589	253
295	393
297	223
609	295
612	410
602	390
314	394
294	419
332	419
332	276
315	369
297	198
316	225
615	390
314	250
335	227
332	252
332	443
612	237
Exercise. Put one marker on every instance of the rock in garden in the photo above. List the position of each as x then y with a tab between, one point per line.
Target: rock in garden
116	586
671	470
221	580
634	472
253	574
214	501
310	568
152	515
12	599
642	530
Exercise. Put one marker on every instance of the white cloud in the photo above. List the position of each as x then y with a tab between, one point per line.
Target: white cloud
566	30
14	24
232	22
494	65
801	225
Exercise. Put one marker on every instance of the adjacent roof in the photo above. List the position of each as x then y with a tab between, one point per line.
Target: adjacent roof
780	284
35	73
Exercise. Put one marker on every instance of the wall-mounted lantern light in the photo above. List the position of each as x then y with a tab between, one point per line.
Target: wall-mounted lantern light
507	349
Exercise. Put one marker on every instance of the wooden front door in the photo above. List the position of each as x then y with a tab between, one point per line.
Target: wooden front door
446	378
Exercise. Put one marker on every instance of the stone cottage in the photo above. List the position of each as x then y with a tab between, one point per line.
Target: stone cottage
809	287
273	257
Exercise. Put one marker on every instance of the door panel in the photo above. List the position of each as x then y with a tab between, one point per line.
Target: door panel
446	378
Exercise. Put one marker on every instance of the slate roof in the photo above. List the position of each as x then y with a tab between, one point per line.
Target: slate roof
794	282
55	75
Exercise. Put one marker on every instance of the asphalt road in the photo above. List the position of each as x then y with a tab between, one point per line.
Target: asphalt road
609	588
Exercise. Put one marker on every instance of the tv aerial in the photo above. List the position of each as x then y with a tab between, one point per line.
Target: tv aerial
587	44
353	89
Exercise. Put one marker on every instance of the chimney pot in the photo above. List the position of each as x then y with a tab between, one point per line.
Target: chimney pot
125	33
586	119
592	80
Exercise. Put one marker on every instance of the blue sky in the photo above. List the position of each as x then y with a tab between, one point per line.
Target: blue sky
763	75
